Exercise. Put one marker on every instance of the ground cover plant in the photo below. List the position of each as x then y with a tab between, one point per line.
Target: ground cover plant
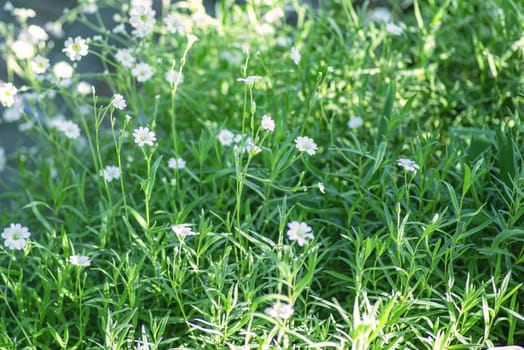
263	175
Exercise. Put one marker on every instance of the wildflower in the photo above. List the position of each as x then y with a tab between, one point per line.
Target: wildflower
295	55
273	15
36	34
191	39
83	88
7	94
110	173
183	230
142	72
264	29
321	187
89	6
284	41
144	136
299	232
15	236
280	310
3	161
355	122
175	23
14	113
75	48
143	20
55	28
380	14
250	79
251	147
23	49
120	28
80	260
62	70
24	13
39	64
394	29
118	101
268	123
225	137
408	165
125	58
306	144
70	129
173	77
176	163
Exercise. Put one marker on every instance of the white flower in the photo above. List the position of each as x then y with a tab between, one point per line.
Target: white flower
39	64
75	48
299	232
250	79
14	113
120	28
62	70
89	6
80	260
23	49
265	29
295	55
268	123
225	137
3	161
191	39
321	187
70	129
284	41
280	310
125	58
118	101
144	137
55	28
273	15
142	72
7	94
408	165
143	20
394	29
172	76
175	23
251	147
306	144
15	236
183	230
355	122
110	173
36	34
380	14
176	163
83	88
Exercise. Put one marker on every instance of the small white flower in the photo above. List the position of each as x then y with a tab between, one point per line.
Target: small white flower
70	129
83	88
355	122
125	58
380	14
280	310
143	20
408	165
110	173
176	163
175	23
75	48
89	6
225	137
306	144
191	39
62	70
16	236
299	232
39	64
142	72
7	94
144	137
183	230
14	113
394	29
172	76
268	123
119	28
80	260
295	55
250	79
118	101
23	49
321	187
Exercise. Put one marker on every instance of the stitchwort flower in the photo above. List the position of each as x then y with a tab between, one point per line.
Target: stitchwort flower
75	48
15	236
118	101
143	136
268	123
110	173
183	230
299	232
7	94
306	144
280	310
176	163
80	260
408	165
